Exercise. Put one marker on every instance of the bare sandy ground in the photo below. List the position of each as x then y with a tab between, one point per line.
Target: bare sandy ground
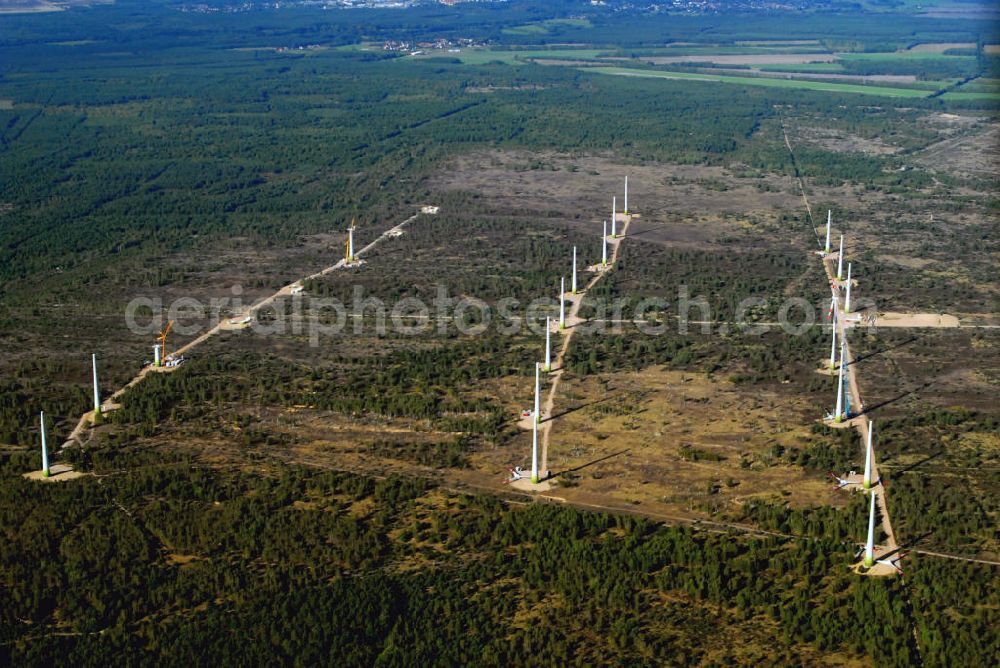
525	423
57	473
525	485
683	205
877	570
904	261
840	141
976	152
916	320
941	47
746	59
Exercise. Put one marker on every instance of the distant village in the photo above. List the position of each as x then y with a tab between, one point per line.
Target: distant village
441	44
640	6
247	5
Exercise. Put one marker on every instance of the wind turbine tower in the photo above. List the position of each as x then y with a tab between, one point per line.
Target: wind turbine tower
573	286
839	415
350	242
626	194
45	451
614	227
829	216
847	294
538	394
548	346
870	545
562	302
534	449
868	457
604	246
840	259
833	342
97	394
847	386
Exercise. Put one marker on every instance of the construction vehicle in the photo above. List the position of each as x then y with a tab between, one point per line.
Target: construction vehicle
174	361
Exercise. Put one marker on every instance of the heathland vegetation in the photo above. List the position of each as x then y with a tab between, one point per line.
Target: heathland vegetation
150	151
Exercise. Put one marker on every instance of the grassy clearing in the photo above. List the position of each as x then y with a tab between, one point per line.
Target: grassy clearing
528	29
981	85
731	50
75	42
545	27
483	56
778	42
573	23
884	91
805	68
835	69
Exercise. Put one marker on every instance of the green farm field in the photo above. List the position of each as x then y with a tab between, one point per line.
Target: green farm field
485	56
883	91
959	96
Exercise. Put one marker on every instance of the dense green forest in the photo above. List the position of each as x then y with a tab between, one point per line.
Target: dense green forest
160	558
429	383
195	140
839	24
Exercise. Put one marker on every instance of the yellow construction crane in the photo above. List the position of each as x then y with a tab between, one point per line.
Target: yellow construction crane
162	338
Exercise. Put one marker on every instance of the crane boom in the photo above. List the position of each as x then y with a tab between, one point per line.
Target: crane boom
162	338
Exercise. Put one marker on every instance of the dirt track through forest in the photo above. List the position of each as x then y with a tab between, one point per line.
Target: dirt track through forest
87	418
572	320
862	422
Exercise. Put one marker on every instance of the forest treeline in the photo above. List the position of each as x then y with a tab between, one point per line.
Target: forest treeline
144	163
164	560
